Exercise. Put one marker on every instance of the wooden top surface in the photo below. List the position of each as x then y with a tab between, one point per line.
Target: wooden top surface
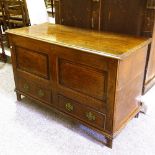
103	43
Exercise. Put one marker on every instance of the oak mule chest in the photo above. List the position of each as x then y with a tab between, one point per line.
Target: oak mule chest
95	78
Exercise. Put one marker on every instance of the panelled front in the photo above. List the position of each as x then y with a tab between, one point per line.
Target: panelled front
76	79
85	80
60	74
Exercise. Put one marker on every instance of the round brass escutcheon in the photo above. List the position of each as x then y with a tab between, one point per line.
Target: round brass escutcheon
41	93
69	106
90	116
26	87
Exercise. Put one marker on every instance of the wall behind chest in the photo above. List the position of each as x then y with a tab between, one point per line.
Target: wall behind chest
121	16
78	13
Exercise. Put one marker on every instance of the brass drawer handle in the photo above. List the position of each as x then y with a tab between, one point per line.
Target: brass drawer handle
41	93
69	106
26	87
90	116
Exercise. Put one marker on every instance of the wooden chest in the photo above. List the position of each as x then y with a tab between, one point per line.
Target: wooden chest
95	78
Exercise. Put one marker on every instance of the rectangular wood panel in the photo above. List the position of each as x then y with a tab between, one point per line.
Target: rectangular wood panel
32	62
83	79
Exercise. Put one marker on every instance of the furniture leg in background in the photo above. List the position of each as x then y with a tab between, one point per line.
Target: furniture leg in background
3	56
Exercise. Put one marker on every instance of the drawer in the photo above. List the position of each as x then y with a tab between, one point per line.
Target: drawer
34	90
81	112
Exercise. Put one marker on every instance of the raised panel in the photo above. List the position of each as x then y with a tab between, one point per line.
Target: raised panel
83	79
32	62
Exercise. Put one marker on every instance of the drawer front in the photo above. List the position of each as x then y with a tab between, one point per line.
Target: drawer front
34	90
82	112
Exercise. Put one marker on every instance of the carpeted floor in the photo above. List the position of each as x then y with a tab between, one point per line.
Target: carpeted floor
27	128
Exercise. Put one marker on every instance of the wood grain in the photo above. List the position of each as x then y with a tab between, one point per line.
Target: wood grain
102	43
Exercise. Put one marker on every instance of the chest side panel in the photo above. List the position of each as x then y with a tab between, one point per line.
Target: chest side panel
129	87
